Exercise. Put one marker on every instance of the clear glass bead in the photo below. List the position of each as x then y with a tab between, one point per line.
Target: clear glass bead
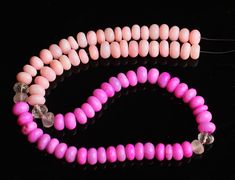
197	147
39	110
19	97
21	88
205	138
48	120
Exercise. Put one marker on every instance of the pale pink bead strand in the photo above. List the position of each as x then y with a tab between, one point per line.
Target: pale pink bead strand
30	69
124	48
174	33
133	49
100	36
105	50
109	35
154	49
57	67
118	34
37	89
185	51
73	57
36	62
73	43
143	48
184	35
135	32
194	37
195	51
55	51
174	49
65	62
154	32
164	32
81	39
115	50
93	52
64	46
126	33
46	56
144	33
83	56
164	48
24	77
91	38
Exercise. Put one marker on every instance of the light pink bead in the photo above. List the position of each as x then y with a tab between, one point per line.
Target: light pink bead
164	32
185	51
46	56
174	33
70	121
126	33
121	153
70	154
130	152
91	38
101	155
81	39
189	94
92	156
135	32
83	56
174	49
60	150
74	58
105	50
177	152
82	156
194	37
42	81
200	109
144	33
204	116
109	35
163	79
52	145
93	52
207	127
115	50
101	95
172	84
108	89
48	73
160	152
187	149
180	90
36	62
153	75
64	60
59	122
95	103
19	108
195	51
154	49
80	116
29	127
184	35
124	48
139	151
64	46
88	110
196	102
35	135
24	118
114	82
55	51
132	78
168	152
154	31
164	48
123	80
142	74
143	48
30	69
118	34
57	67
149	151
36	99
37	89
133	49
111	154
43	141
100	36
24	77
73	43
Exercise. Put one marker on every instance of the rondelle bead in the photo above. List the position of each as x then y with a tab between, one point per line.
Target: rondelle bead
52	145
187	149
130	152
111	154
177	152
43	141
82	156
139	151
121	153
19	108
70	121
149	151
36	99
39	110
92	156
21	88
60	150
205	138
160	152
101	155
48	120
70	154
20	97
197	147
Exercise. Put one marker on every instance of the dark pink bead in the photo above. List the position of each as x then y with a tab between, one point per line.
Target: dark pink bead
149	151
180	90
142	74
82	156
111	154
70	121
200	109
196	102
189	94
160	152
139	151
163	79
24	118
59	122
101	155
29	127
177	152
115	83
172	84
123	80
80	116
101	95
204	116
20	107
70	154
95	103
153	75
132	78
88	110
108	89
169	152
207	127
187	149
52	145
60	150
35	135
92	156
43	141
130	152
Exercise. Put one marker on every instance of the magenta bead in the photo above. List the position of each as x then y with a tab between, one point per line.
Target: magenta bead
60	150
95	103
200	109
115	83
35	135
149	151
24	118
101	95
82	156
160	152
163	79
168	152
153	75
204	116
123	80
70	121
196	102
177	152
111	154
139	151
207	127
20	107
70	154
101	155
142	74
59	122
189	94
180	90
132	78
88	110
80	116
130	152
187	149
172	84
52	145
28	127
43	141
121	153
92	156
108	89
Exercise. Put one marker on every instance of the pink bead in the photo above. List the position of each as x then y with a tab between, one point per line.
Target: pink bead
149	151
123	80
142	74
184	35
153	75
124	48
92	156
24	77
187	149
83	56
121	153
30	69
60	150
207	127
93	52
111	154
154	31
130	152
46	56
64	46
109	35
70	121
115	50
55	51
73	43
118	34
95	103
164	32
65	62
35	135
105	50
36	99
132	78
19	108
42	81
82	156
24	118
100	36
29	127
174	49
143	48
195	51
200	109
174	33
37	89
154	49
36	62
185	51
108	89
81	39
164	48
172	84
194	37
52	145
139	151
196	102
180	90
74	58
115	83
178	152
57	67
135	32
80	116
168	152
70	154
133	49
204	116
101	155
160	152
144	33
48	73
163	79
59	122
91	38
88	110
101	95
43	141
189	94
126	33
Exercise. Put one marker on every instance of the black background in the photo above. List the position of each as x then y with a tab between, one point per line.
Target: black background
147	113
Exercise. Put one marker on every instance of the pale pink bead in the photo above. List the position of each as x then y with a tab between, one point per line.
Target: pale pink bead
64	60
111	154
64	46
174	33
35	135
184	35
55	51
180	90
42	81
164	32
37	89
57	67
144	33
109	35
115	50
70	154
93	52
200	109
123	80
154	49
81	39
36	62
36	99
133	49
185	51
149	151
105	50
142	74
83	56
95	103
74	58
30	69
73	43
135	32
19	108
130	152
194	37
168	152
177	152
163	79
29	127
187	149
46	56
196	102
189	95
164	48
132	78
48	73
153	75
160	152
195	51
92	156
154	31
101	95
118	34
139	151
100	36
24	118
108	89
126	33
24	77
91	38
88	110
52	145
124	48
121	153
80	116
101	155
143	48
207	127
174	49
59	122
114	82
43	141
60	150
82	156
172	84
204	116
70	121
